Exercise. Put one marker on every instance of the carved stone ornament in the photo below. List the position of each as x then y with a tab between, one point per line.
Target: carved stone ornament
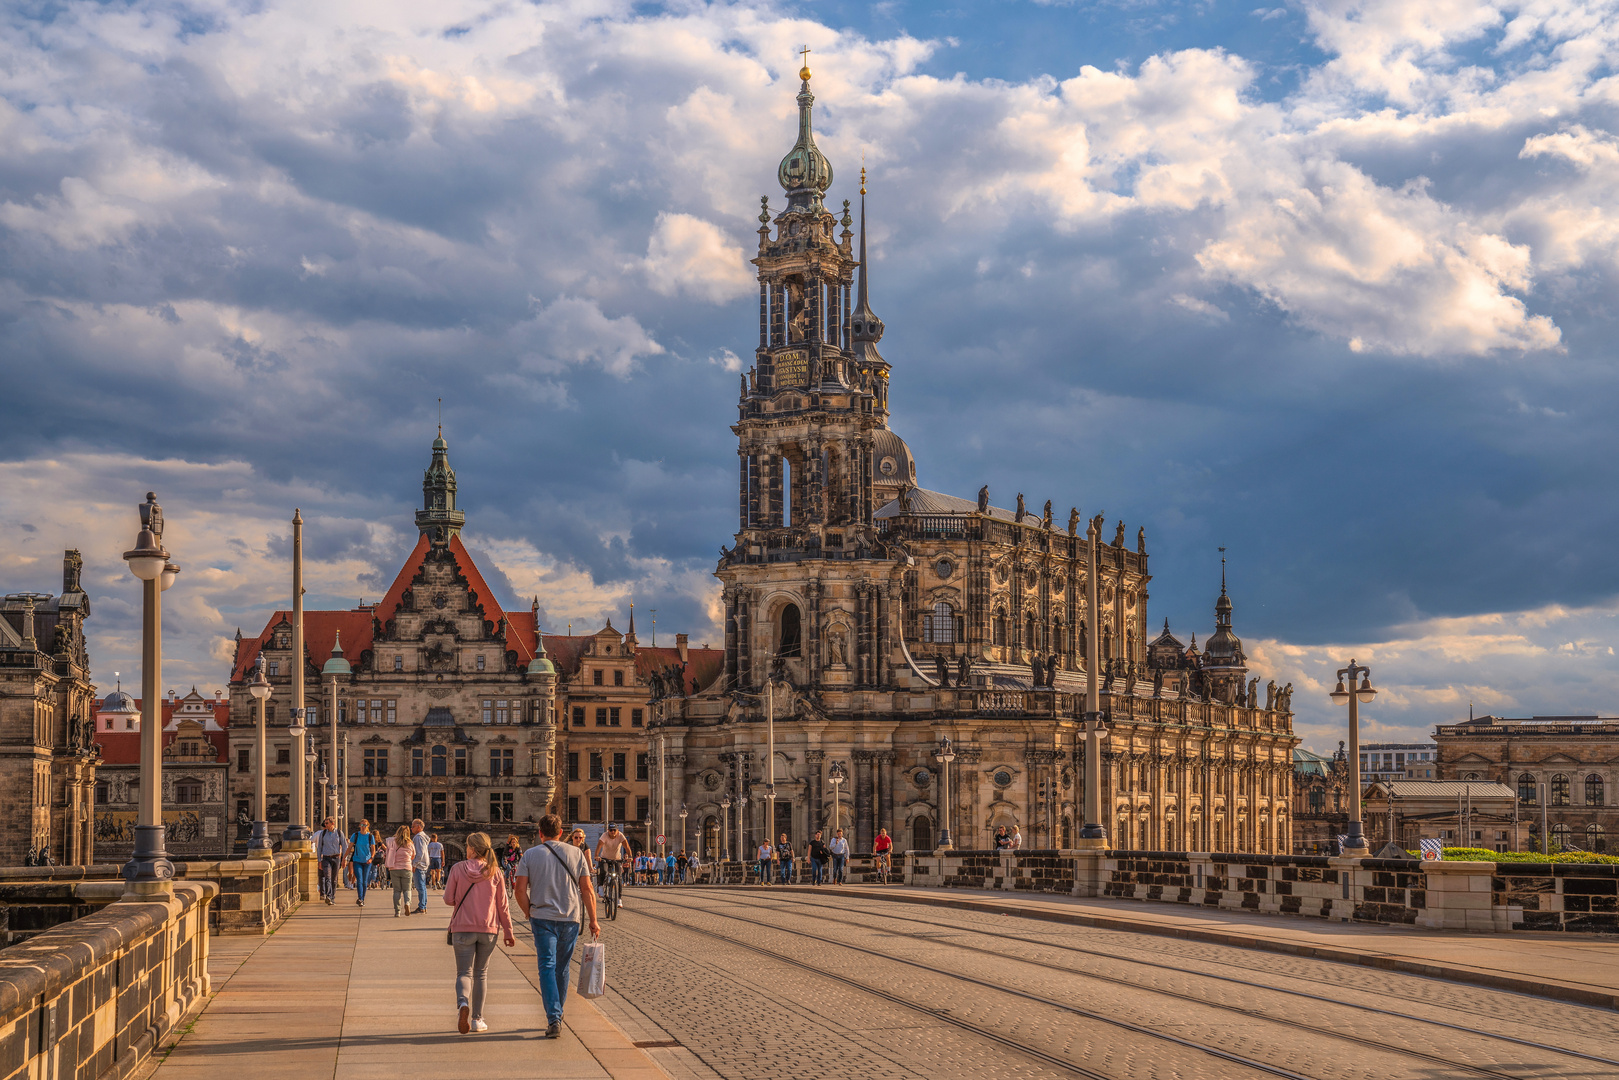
944	568
1058	583
438	692
922	778
711	781
1000	574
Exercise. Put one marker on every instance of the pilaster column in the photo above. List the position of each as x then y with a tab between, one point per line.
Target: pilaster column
862	799
885	792
816	761
965	826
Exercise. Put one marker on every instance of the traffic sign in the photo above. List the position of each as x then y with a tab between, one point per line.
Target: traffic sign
660	839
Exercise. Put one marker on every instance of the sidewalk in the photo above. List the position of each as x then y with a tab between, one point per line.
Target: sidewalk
354	993
1582	968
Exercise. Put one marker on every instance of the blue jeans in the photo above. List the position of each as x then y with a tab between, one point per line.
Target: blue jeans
817	870
786	871
362	878
419	878
764	871
840	868
553	945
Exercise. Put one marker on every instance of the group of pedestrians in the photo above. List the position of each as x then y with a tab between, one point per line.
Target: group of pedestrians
672	868
410	858
828	860
1008	841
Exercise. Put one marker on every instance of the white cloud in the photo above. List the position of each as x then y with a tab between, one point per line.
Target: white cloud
690	256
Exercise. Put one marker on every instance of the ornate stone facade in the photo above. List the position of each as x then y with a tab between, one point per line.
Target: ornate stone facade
879	616
196	788
447	703
47	752
1574	760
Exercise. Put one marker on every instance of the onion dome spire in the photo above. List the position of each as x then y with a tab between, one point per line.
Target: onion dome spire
805	173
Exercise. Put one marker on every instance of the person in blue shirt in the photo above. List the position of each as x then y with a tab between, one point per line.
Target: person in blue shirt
360	852
669	868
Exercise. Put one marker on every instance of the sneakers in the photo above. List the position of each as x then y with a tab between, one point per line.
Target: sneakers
554	1030
479	1025
463	1023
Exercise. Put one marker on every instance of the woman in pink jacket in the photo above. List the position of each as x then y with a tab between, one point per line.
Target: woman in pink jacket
477	891
399	854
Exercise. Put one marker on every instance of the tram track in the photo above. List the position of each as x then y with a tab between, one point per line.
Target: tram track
1067	1007
1000	935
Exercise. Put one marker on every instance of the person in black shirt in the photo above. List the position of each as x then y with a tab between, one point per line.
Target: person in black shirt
784	855
818	854
1003	842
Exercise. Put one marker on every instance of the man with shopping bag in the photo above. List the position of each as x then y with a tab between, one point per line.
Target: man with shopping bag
552	884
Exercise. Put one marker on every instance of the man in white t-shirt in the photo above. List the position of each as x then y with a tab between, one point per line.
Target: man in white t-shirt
840	857
553	884
419	863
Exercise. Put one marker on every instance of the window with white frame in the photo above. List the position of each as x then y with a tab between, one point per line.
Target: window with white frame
488	711
502	712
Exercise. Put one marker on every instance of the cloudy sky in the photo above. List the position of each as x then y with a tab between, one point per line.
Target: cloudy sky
1327	283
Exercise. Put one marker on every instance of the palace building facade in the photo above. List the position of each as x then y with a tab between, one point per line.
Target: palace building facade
867	617
449	708
47	748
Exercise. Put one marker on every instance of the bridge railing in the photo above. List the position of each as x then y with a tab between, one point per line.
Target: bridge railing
95	996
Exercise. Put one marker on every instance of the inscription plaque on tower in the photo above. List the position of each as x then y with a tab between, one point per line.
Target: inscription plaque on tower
792	368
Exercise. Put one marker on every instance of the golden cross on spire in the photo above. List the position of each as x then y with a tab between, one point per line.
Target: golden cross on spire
804	72
862	173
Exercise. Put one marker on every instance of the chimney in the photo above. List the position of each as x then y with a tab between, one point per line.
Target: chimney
680	646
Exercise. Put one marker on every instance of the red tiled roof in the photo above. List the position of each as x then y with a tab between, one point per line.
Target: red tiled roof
320	630
123	746
703	666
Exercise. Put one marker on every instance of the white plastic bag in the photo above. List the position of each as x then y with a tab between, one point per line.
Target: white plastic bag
592	969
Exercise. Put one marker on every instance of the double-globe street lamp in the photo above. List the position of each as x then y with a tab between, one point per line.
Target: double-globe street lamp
1355	842
837	775
946	753
149	864
725	829
258	844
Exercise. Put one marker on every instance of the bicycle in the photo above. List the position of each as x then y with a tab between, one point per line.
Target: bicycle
884	864
612	887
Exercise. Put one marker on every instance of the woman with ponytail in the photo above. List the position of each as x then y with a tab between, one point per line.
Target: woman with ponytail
476	890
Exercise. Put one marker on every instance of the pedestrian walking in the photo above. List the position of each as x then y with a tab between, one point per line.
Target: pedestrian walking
419	863
765	852
1002	841
1017	839
682	862
476	890
553	889
818	855
435	863
361	849
379	858
840	857
399	855
784	859
669	868
329	847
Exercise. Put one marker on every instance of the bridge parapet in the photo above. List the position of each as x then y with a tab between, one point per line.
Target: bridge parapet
94	997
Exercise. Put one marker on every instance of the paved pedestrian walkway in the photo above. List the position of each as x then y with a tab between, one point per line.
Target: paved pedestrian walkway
1569	967
353	994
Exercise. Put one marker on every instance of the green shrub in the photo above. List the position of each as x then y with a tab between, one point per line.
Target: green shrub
1453	854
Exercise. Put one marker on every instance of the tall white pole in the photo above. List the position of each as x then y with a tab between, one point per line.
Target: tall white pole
770	753
295	783
1095	827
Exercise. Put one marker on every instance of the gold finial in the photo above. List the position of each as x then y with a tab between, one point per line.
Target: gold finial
862	174
804	72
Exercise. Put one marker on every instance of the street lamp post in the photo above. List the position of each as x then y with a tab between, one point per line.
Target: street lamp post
682	827
346	808
837	776
725	829
770	769
149	868
259	842
297	806
310	757
946	753
1355	696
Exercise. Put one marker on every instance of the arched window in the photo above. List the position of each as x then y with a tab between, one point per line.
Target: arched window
1560	789
1593	790
441	761
922	834
1122	837
789	641
939	627
1169	835
1058	642
1146	779
1526	788
1000	627
1596	838
1264	835
1561	835
1169	780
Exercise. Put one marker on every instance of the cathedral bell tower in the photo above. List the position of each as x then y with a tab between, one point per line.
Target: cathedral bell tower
812	430
438	518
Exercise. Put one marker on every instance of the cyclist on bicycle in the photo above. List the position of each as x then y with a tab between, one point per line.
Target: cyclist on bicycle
611	851
882	847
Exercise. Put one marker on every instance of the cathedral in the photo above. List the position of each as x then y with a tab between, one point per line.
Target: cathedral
867	617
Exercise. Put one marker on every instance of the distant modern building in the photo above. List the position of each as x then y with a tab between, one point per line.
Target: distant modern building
196	812
1397	761
47	755
1569	762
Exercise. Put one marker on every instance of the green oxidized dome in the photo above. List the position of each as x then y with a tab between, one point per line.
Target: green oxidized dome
804	173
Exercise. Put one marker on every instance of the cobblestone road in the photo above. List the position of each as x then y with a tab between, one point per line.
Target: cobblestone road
758	984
